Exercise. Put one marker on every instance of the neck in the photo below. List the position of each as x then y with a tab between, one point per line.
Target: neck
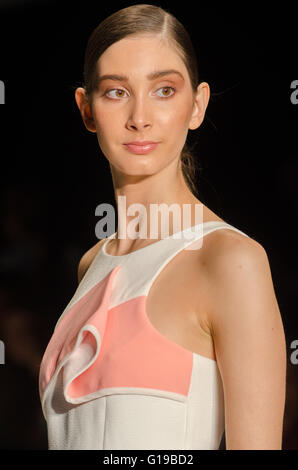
153	206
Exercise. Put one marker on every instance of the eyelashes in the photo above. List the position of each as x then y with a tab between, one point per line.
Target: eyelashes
120	89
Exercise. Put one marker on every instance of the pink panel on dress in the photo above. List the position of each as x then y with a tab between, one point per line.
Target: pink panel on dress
132	352
94	303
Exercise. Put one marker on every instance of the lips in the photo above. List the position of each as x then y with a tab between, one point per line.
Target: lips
141	142
141	147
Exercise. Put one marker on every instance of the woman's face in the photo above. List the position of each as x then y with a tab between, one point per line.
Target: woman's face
141	108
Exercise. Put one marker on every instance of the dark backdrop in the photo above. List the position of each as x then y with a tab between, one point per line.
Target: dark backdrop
53	174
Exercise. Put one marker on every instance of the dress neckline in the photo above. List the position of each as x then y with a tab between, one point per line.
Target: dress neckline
194	229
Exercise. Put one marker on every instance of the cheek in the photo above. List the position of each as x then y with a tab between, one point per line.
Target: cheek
174	128
176	117
107	123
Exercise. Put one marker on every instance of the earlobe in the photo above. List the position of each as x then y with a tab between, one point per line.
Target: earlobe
196	117
200	105
84	107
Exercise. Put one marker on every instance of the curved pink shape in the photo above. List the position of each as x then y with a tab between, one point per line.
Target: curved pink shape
91	308
134	354
127	351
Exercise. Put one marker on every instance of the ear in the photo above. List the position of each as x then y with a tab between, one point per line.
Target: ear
85	109
200	104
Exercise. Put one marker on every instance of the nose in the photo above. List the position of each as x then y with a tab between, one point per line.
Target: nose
139	114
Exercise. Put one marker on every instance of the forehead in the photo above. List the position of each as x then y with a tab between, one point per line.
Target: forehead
139	55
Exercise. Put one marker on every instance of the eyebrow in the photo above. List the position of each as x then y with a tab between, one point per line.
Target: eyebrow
150	76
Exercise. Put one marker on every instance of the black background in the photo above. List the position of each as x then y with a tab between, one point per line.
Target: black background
53	174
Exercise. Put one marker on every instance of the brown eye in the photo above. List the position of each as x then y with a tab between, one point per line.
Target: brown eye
119	93
167	91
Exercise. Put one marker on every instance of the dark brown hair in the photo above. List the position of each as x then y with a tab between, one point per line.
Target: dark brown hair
139	19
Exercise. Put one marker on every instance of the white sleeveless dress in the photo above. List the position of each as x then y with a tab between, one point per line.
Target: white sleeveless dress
109	380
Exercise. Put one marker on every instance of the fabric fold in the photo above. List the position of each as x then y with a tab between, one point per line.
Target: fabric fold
76	342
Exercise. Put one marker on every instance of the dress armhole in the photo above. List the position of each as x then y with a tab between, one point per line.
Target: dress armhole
87	259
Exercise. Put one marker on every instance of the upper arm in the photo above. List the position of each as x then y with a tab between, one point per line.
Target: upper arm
249	343
87	259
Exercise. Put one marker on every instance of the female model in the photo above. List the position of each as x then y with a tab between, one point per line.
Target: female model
162	346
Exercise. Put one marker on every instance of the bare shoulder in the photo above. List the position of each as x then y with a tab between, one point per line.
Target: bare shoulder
249	340
87	259
223	254
232	258
223	248
240	285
